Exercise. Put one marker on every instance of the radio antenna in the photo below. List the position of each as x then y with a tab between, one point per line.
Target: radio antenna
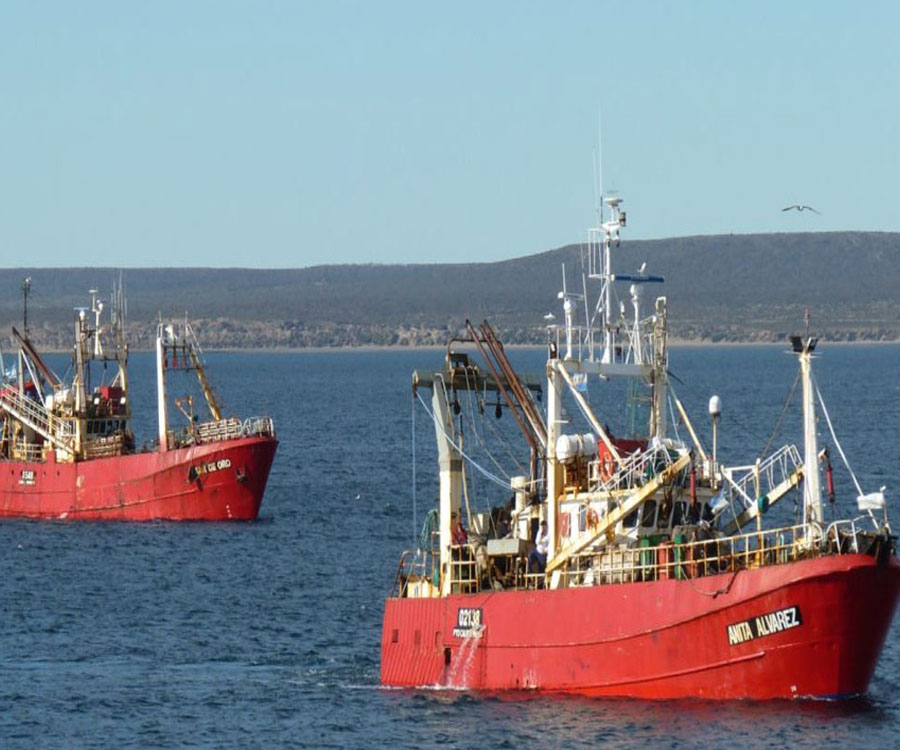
598	178
26	288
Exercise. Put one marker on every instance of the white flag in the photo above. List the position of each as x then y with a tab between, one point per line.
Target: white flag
872	501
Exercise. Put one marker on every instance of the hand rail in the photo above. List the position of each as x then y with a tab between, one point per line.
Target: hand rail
680	559
702	557
632	472
233	428
787	459
58	431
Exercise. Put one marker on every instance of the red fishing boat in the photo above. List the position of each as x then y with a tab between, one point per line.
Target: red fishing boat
640	567
67	450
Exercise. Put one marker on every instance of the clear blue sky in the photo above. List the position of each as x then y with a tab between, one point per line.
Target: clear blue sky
289	134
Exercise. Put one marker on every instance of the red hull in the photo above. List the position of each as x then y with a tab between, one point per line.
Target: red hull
662	639
211	482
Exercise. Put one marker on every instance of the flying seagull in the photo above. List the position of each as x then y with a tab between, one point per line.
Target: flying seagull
800	207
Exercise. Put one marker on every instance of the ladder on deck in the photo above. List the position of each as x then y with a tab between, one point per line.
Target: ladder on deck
56	431
778	474
609	521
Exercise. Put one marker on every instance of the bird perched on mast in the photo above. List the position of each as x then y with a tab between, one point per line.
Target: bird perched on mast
800	207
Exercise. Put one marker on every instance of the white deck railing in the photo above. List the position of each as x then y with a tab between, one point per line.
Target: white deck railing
224	429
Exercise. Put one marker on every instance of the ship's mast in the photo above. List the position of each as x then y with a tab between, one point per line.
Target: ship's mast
162	415
554	470
450	471
812	493
637	350
78	383
610	232
97	309
20	368
658	421
26	289
119	306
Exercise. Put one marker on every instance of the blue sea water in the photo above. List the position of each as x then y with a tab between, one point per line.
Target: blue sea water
266	634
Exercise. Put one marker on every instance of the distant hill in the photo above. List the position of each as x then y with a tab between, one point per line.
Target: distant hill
720	288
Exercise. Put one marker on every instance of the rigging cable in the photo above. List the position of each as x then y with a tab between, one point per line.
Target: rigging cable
695	391
465	474
484	421
587	400
498	435
465	487
672	416
484	472
836	443
478	439
787	405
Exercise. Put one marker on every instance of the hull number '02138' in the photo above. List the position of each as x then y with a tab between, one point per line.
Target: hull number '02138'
469	623
763	625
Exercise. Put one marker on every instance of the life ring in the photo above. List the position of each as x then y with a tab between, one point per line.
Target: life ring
591	519
607	469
